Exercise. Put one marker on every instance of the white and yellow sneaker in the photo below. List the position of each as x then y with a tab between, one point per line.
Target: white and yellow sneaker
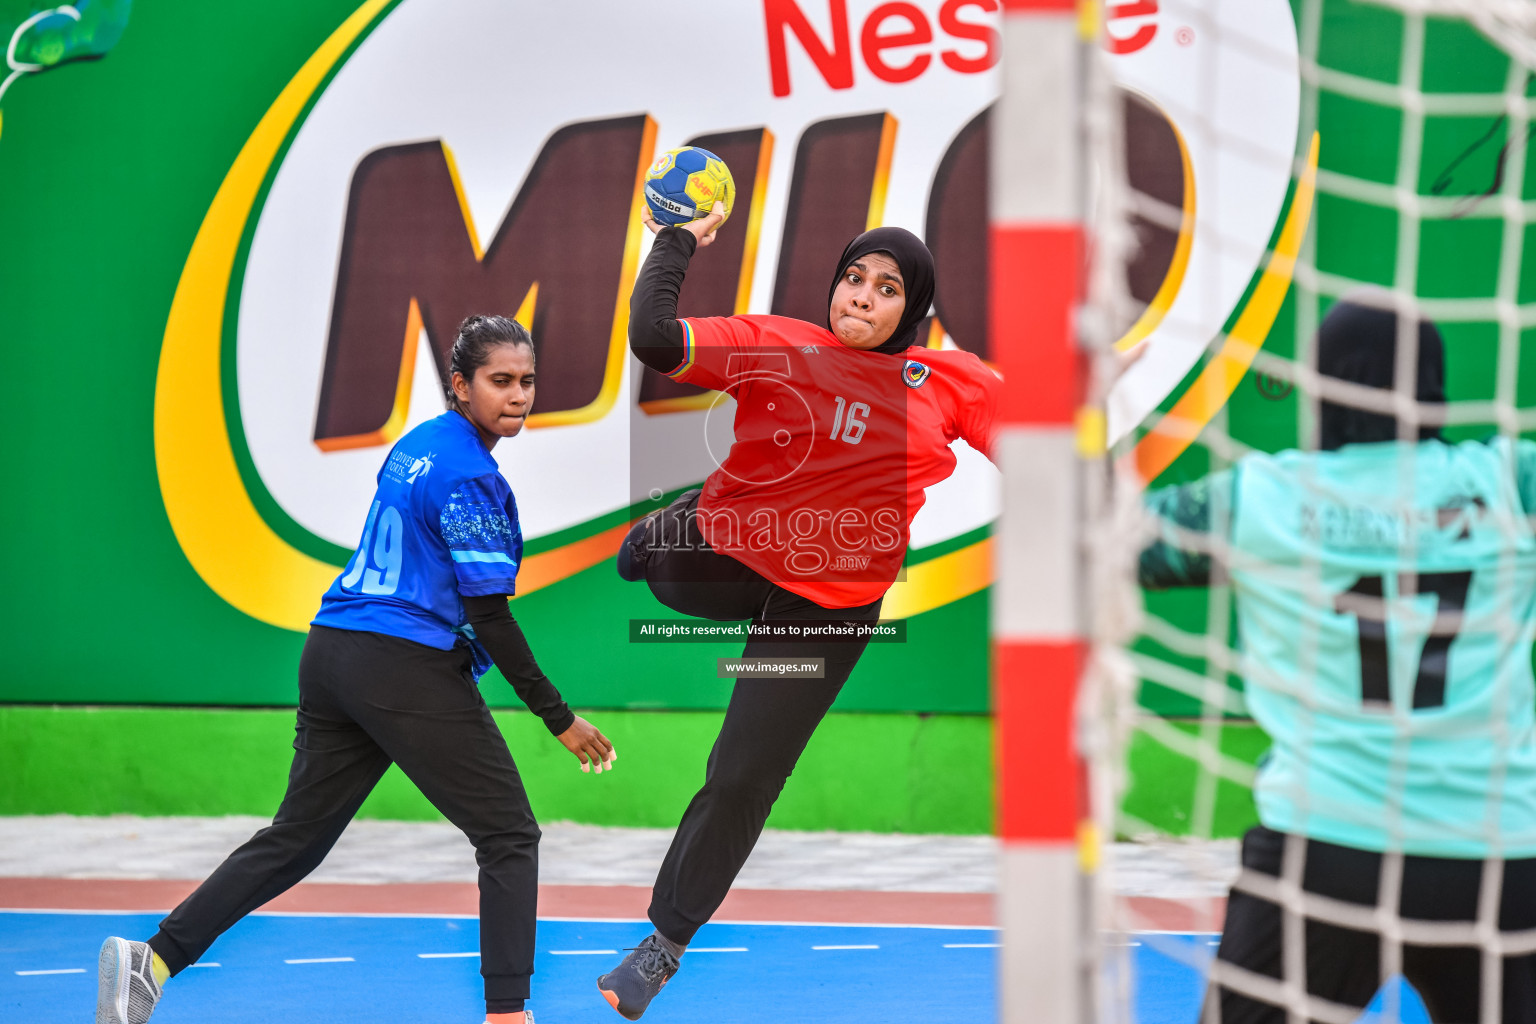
126	989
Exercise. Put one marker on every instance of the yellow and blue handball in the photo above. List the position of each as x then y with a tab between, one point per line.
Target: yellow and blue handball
684	184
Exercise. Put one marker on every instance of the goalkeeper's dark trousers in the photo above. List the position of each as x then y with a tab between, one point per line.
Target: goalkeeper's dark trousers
367	700
768	722
1344	965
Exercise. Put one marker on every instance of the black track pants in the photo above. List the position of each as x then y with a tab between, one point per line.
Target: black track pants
1343	965
366	700
767	723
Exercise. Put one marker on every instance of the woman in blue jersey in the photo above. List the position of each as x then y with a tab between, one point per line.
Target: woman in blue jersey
388	676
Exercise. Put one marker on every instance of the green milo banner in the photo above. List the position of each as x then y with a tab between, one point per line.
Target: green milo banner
238	238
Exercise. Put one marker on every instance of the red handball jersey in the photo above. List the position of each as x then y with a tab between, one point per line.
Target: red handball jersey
834	447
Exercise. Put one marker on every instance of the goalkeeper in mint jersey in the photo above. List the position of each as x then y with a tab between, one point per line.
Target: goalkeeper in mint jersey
1386	604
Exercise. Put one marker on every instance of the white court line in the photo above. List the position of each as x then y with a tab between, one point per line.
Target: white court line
61	970
720	920
323	960
1162	931
76	911
845	947
717	949
158	913
583	952
973	945
443	956
207	965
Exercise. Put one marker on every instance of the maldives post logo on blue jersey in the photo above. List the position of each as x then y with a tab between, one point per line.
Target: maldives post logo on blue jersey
406	468
914	373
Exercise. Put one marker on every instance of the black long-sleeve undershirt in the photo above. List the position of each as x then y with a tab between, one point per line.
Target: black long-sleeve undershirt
655	336
504	641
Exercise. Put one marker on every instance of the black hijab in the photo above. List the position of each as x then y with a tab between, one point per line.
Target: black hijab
916	265
1358	343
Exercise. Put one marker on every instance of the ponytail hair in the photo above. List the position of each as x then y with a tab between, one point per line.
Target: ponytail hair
478	335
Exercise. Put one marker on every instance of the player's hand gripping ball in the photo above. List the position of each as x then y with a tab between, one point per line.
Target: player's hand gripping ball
685	184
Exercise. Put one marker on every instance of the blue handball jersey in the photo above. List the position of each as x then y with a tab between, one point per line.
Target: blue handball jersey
443	524
1386	603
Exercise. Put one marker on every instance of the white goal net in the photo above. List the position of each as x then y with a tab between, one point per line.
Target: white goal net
1309	548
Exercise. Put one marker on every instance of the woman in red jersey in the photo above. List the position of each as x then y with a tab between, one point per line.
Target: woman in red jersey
803	527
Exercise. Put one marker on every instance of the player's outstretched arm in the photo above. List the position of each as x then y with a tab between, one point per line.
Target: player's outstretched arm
655	336
703	230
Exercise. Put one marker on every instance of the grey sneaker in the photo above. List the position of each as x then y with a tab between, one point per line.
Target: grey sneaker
630	987
126	990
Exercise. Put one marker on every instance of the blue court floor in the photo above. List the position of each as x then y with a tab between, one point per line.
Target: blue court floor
412	970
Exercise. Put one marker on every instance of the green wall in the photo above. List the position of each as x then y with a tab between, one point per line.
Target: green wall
106	170
861	772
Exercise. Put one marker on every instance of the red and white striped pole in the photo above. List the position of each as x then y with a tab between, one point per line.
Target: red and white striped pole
1037	255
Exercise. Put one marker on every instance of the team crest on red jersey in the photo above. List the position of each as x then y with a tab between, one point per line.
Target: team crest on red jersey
914	373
